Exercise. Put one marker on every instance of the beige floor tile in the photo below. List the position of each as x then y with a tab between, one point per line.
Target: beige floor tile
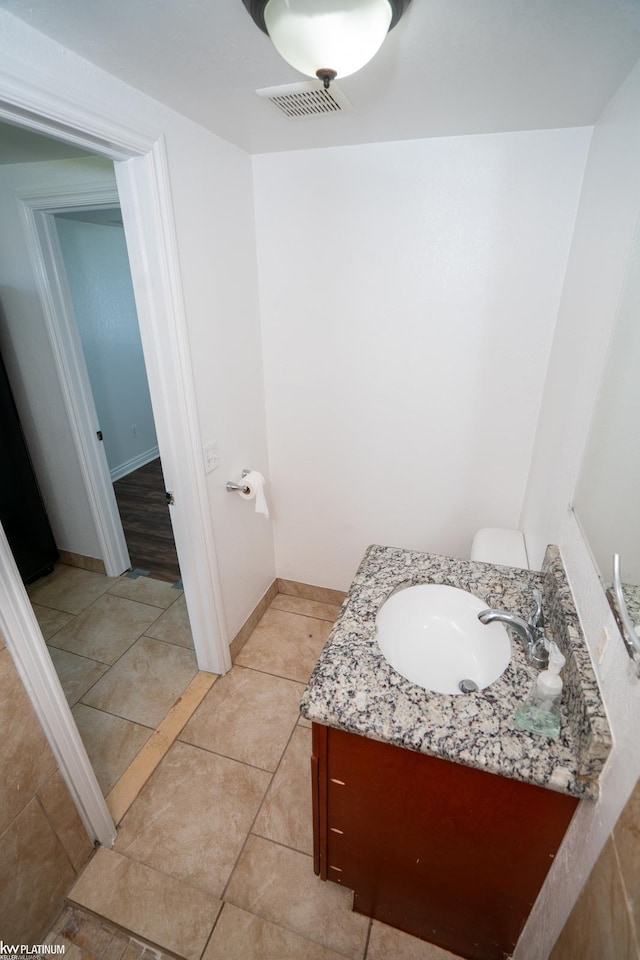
240	935
49	620
192	817
107	628
148	903
286	815
65	820
76	674
76	927
69	588
303	722
306	608
247	715
386	942
146	682
93	935
111	742
600	925
157	746
279	885
285	644
627	842
35	877
146	590
97	939
74	953
173	626
27	761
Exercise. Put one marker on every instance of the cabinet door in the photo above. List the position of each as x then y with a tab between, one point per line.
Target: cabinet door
445	852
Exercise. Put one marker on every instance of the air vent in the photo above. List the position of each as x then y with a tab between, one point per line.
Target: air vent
306	99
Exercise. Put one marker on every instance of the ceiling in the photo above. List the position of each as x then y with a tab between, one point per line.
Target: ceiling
449	67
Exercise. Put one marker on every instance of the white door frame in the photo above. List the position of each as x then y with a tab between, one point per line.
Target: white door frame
145	201
37	208
31	657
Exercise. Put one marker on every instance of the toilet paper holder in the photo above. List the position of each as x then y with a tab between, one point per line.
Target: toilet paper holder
234	487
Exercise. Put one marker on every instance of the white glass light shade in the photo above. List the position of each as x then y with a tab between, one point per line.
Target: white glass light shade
340	35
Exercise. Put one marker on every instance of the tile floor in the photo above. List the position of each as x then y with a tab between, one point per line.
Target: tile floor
214	856
85	937
123	652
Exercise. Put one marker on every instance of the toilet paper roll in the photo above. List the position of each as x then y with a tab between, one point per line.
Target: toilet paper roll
255	482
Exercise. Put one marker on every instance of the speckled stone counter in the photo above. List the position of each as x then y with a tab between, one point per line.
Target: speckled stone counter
631	594
353	687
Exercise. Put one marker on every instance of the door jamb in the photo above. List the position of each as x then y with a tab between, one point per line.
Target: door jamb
37	208
30	655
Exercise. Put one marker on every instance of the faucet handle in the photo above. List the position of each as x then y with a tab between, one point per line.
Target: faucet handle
539	653
536	620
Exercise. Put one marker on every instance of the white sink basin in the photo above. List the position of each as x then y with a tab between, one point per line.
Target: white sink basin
430	633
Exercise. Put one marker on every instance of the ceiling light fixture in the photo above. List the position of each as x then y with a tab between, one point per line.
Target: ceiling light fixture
326	38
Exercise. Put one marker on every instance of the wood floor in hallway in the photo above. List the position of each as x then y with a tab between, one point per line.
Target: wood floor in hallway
141	498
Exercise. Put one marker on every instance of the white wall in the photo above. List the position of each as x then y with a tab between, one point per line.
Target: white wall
216	235
97	268
605	226
408	295
213	208
27	352
606	223
607	489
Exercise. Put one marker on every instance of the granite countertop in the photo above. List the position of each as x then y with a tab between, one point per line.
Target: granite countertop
631	592
353	687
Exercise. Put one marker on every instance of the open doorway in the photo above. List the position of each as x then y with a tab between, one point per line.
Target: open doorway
95	258
122	648
144	191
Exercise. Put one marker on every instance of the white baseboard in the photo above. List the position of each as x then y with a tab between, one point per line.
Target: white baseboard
134	464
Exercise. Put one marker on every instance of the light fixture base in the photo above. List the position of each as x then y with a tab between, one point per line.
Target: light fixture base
326	76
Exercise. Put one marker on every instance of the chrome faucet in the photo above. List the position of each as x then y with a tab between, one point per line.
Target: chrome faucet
531	632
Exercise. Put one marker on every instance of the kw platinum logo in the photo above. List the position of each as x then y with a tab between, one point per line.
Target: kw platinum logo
22	950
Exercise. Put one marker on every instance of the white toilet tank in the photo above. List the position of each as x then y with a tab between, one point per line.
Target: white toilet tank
498	545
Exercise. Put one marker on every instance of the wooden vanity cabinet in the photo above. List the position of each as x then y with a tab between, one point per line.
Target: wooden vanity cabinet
445	852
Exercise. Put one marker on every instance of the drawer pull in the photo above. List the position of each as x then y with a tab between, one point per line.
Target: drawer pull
337	869
341	783
335	830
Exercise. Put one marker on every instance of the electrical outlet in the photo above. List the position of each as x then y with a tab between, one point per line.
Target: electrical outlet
211	456
602	644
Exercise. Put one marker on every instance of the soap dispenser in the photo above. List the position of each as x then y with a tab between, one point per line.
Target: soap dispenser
540	713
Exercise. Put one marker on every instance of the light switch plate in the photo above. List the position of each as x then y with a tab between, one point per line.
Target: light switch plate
211	456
